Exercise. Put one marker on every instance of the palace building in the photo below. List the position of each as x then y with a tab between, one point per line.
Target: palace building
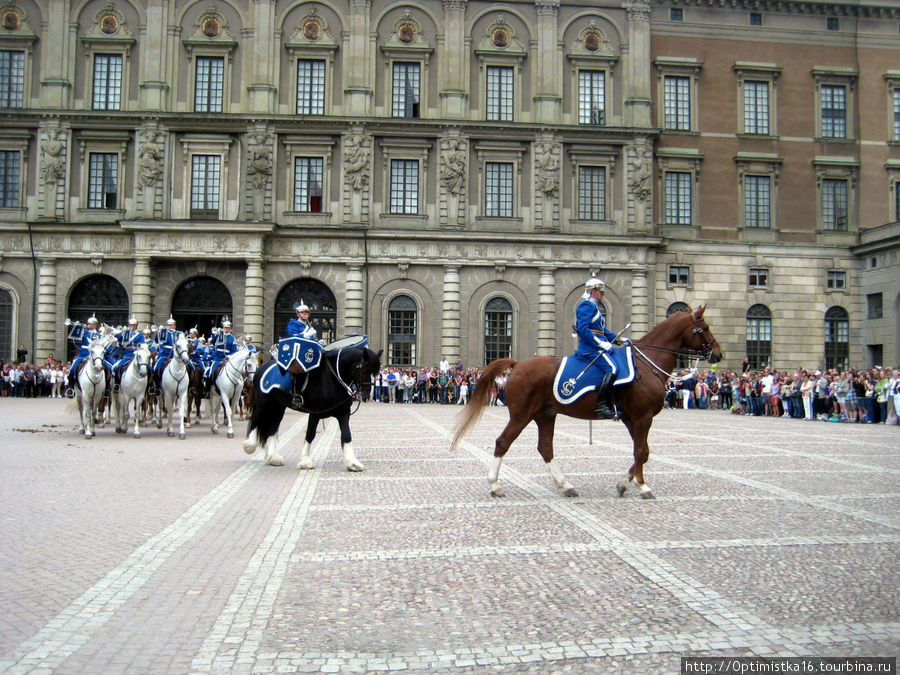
444	176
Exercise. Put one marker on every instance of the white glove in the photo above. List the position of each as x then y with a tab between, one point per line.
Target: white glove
625	341
604	345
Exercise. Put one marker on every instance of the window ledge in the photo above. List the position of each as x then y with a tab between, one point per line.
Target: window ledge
101	215
414	221
494	224
306	218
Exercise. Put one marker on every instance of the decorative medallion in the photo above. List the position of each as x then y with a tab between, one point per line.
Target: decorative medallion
211	27
11	20
406	33
592	41
500	37
109	24
312	30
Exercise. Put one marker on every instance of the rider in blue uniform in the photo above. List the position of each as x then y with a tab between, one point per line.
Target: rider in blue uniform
165	340
83	335
223	344
594	338
129	340
301	328
194	348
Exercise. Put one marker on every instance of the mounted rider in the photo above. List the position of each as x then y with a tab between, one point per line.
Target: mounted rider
223	345
594	340
165	339
300	328
83	335
129	340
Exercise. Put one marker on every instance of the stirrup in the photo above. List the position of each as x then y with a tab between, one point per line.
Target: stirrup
70	392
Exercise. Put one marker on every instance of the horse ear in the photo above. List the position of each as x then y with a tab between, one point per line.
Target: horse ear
698	313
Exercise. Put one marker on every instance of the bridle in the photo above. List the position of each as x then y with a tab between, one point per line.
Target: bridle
704	352
352	389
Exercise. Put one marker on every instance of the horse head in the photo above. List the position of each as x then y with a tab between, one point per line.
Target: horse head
96	354
141	359
356	365
701	338
181	351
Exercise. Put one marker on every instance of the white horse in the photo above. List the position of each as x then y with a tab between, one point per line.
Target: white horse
229	384
132	389
90	385
175	381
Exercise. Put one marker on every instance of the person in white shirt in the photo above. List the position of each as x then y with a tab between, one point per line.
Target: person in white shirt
444	365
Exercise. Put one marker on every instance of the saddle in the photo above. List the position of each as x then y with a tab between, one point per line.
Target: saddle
578	375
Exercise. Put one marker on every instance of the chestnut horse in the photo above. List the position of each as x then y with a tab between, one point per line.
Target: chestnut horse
529	396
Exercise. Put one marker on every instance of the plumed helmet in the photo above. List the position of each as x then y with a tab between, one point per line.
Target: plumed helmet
226	323
132	321
92	320
170	321
248	338
193	331
593	283
147	331
302	307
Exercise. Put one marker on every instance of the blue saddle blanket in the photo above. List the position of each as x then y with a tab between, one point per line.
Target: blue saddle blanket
274	377
568	386
307	354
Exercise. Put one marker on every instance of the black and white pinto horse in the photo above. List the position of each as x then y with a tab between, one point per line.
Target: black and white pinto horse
175	380
330	391
90	383
228	386
132	391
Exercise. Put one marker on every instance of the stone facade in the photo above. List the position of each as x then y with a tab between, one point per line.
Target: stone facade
453	153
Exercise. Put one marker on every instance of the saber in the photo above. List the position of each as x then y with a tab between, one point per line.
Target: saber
599	354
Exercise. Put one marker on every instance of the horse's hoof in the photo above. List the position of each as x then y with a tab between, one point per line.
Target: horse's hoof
182	435
230	434
498	493
137	435
307	465
571	492
275	460
120	431
214	430
159	425
187	425
249	448
622	487
356	466
648	495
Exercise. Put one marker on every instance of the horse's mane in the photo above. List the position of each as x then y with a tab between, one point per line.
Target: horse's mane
665	325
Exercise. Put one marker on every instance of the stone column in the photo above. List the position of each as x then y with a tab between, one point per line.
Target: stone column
47	323
450	320
142	291
637	64
357	66
59	34
454	97
548	94
640	307
253	300
154	58
261	91
354	313
546	320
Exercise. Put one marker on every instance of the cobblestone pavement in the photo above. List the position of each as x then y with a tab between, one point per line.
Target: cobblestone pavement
153	555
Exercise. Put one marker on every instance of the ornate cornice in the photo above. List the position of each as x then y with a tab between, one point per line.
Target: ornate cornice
881	10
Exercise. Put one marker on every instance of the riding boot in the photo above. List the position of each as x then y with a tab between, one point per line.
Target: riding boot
297	382
605	406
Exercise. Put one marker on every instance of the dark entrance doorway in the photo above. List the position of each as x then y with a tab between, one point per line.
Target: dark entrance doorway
203	302
322	307
99	295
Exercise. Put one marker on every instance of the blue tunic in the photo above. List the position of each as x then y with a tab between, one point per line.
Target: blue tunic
591	328
299	328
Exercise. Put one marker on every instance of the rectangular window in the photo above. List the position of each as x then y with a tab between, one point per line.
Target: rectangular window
676	14
405	100
107	82
757	201
833	23
402	337
310	87
404	186
759	277
836	279
678	197
755	19
834	204
591	97
498	189
497	335
9	178
756	107
500	93
834	111
591	193
679	274
205	183
308	173
874	306
209	82
12	78
103	174
677	104
896	93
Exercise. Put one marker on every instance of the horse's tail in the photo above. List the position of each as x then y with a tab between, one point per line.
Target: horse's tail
472	411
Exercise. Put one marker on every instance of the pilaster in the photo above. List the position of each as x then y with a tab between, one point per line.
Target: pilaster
253	299
142	291
548	93
637	64
454	95
640	307
354	315
47	322
358	66
546	322
450	319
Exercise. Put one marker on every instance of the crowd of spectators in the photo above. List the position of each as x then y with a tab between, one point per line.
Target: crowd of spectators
24	379
834	395
443	384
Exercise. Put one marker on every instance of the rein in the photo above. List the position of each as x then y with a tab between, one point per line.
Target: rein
352	392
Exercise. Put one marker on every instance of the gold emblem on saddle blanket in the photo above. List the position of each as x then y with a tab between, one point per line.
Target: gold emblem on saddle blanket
568	387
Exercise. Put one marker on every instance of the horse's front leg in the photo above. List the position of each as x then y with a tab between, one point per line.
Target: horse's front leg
214	402
639	431
121	411
350	461
180	400
138	404
87	413
228	410
546	425
306	462
272	457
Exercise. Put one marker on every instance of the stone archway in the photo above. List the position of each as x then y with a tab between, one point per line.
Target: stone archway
322	307
203	302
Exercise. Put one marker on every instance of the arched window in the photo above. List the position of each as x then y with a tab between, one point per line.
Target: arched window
402	331
320	300
6	324
203	302
99	295
498	329
837	338
683	362
759	336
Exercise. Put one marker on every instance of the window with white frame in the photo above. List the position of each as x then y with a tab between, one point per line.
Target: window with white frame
835	92
209	82
205	186
757	201
10	172
310	86
679	275
834	111
756	107
836	280
759	336
107	89
677	82
499	94
405	89
402	331
12	78
103	179
758	277
892	80
677	102
895	98
308	180
591	193
591	97
678	198
404	191
498	189
835	194
756	97
498	329
837	338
